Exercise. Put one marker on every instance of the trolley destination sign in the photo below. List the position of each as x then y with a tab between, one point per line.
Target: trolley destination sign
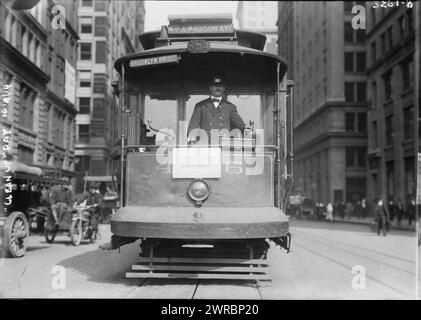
151	61
201	29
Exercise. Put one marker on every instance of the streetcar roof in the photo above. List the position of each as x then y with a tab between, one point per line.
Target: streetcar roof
215	47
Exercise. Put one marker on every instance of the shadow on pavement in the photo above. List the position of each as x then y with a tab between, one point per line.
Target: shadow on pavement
34	248
105	266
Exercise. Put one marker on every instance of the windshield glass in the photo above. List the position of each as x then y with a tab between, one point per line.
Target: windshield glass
248	107
162	110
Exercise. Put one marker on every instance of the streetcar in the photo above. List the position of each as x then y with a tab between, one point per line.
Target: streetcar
199	205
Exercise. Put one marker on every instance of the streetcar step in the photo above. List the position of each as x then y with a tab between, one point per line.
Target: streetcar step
195	268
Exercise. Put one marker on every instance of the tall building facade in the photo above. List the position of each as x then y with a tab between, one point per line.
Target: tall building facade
328	66
260	16
391	107
107	31
37	64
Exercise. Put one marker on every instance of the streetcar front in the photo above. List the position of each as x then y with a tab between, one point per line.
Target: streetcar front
184	190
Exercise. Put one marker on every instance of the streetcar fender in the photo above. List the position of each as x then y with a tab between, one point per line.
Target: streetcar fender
118	241
284	242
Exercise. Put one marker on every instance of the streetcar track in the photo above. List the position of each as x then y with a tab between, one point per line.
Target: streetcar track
365	257
358	247
257	284
138	286
195	289
349	268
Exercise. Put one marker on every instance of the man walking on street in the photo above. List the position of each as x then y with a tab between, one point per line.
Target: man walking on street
329	212
410	211
381	214
399	211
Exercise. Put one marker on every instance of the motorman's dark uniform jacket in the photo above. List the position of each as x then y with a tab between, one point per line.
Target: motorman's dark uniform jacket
207	117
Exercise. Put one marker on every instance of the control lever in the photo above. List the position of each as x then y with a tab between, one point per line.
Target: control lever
160	131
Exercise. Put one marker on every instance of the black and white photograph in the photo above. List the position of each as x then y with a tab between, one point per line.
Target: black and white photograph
234	151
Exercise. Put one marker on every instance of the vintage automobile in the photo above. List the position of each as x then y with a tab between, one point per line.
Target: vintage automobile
25	211
196	204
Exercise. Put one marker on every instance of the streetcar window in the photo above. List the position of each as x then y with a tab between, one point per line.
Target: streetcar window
248	107
162	110
190	104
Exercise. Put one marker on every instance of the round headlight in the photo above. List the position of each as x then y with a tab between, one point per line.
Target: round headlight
198	190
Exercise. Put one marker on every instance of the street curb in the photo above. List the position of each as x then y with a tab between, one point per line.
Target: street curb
401	228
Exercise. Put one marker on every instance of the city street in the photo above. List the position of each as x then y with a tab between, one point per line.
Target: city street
319	267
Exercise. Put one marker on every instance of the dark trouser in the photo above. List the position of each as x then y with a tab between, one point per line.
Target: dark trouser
381	225
58	209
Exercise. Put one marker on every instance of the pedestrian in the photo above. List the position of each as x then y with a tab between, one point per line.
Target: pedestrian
399	211
341	210
348	210
410	211
95	198
391	207
364	208
61	201
359	210
381	214
329	212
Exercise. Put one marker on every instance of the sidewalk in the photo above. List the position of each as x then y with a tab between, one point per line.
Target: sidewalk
367	221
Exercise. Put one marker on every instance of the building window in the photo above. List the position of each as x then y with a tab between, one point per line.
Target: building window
401	23
26	112
373	15
85	51
347	6
86	3
410	20
387	81
373	95
360	35
389	129
360	153
361	66
349	32
355	157
408	118
100	52
24	42
25	155
407	74
374	141
349	91
362	122
390	179
356	122
409	176
82	164
383	43
373	52
85	25
349	62
84	105
390	37
349	157
85	83
13	32
361	92
83	133
38	54
350	122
